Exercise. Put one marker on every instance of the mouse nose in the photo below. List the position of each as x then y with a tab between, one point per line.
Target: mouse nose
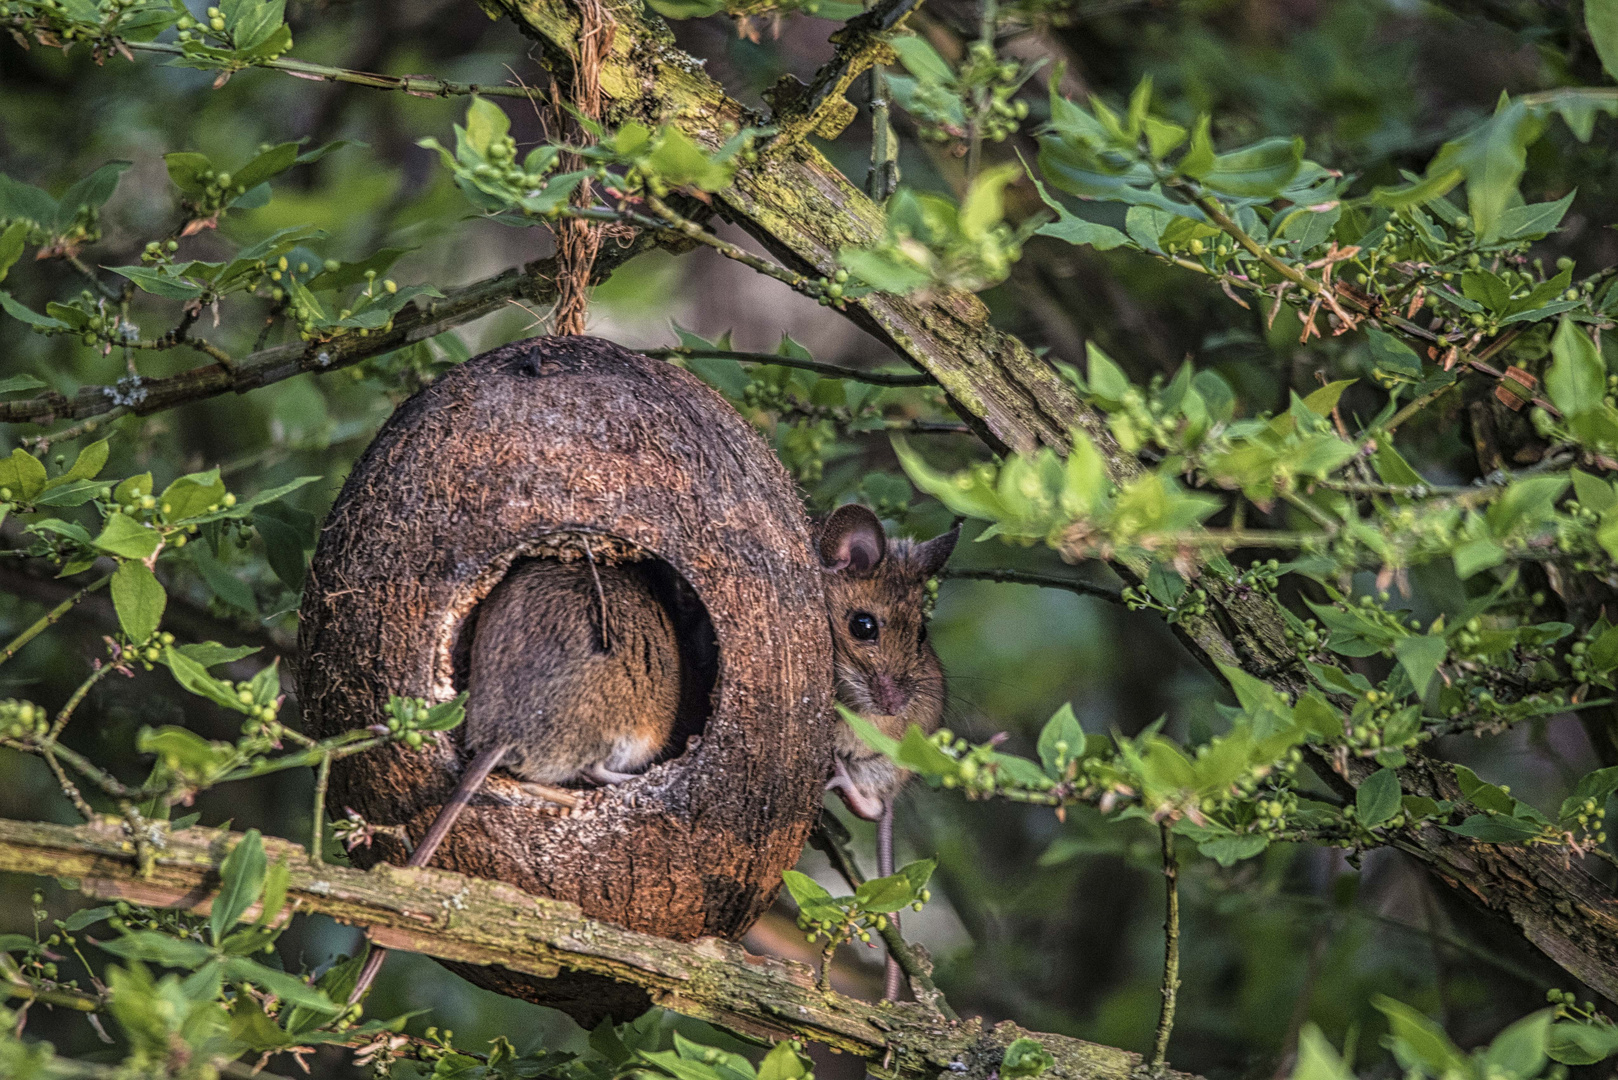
887	695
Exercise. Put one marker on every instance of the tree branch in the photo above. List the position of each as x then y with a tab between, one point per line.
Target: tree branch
460	919
535	282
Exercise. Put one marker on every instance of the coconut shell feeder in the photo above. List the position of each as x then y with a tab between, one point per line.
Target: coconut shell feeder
540	449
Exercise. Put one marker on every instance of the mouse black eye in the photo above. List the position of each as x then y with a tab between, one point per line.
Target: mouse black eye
862	624
921	639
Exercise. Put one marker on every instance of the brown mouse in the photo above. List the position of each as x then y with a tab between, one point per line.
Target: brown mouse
575	675
576	670
876	599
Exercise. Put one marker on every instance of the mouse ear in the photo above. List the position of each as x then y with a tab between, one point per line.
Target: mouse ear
936	552
852	540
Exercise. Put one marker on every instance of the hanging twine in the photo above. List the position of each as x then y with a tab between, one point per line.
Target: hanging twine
577	241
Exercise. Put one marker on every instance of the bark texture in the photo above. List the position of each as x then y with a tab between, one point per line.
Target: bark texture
540	448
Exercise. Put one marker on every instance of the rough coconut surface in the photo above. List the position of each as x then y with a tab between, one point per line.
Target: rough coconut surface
539	449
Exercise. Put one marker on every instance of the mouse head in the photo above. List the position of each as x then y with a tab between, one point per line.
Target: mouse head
876	597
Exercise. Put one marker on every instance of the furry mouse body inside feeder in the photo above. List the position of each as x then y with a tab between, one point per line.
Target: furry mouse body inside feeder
575	675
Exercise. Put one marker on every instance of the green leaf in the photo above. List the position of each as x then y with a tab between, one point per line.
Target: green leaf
984	206
806	892
209	653
11	246
23	474
1262	170
1477	555
1107	380
192	495
225	585
1321	402
249	22
1227	851
1601	20
123	535
783	1063
33	318
1316	1058
76	493
1420	656
289	988
284	549
139	600
88	465
186	170
886	894
160	282
11	384
195	678
919	753
86	917
1577	379
1377	799
241	880
444	716
1025	1058
1597	786
1418	1042
1199	157
156	948
1061	741
1519	1051
1070	227
1574	1043
1535	219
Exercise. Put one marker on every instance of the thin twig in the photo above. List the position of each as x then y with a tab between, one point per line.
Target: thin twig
69	788
1419	404
1171	949
73	702
832	371
415	85
1024	577
672	220
50	618
317	830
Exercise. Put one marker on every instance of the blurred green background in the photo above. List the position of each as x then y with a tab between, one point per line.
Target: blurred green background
1055	924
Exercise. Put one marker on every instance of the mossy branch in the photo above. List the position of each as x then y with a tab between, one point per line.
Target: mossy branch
461	919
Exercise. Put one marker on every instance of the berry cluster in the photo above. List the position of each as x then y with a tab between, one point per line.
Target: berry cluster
22	719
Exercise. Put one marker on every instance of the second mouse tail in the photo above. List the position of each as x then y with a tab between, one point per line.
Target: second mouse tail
884	868
471	781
